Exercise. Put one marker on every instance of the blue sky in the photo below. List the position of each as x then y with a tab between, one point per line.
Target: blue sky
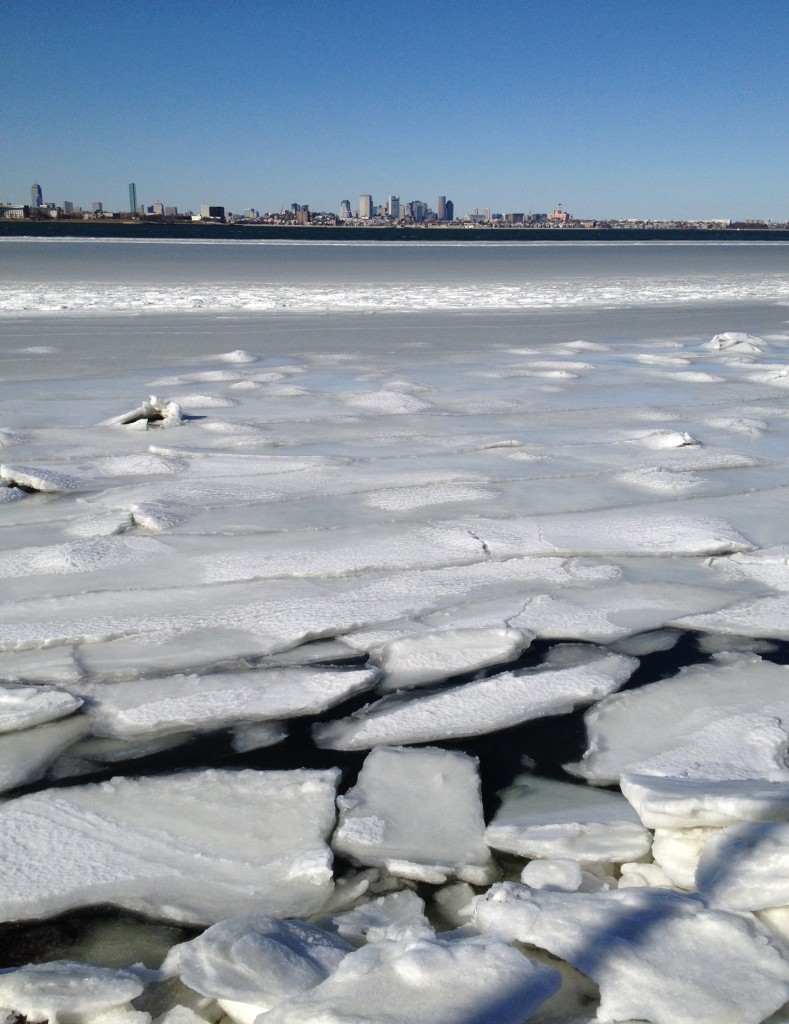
615	108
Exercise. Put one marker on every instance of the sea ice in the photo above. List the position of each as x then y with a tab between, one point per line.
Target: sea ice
628	729
476	708
746	867
473	979
439	654
148	707
723	968
25	706
183	847
546	818
26	754
418	814
250	964
67	992
392	917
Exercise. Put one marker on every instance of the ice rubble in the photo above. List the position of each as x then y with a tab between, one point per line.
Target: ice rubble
61	992
438	550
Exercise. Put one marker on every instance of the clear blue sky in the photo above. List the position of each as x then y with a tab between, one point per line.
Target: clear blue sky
615	108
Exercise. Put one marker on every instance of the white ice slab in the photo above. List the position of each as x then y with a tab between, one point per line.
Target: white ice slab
476	708
417	813
676	852
723	969
250	964
439	654
184	847
65	989
546	818
26	755
746	867
675	802
148	707
24	706
628	729
440	981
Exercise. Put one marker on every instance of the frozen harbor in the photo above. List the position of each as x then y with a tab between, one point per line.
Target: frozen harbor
394	632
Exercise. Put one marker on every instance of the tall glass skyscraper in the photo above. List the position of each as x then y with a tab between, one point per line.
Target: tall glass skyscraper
132	197
36	196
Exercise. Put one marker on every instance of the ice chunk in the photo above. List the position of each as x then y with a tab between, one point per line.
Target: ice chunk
184	847
24	706
238	355
555	875
476	708
414	661
676	852
418	813
147	707
546	818
736	341
628	729
250	964
395	916
28	478
64	989
754	617
155	412
387	403
746	867
675	802
724	969
26	755
472	979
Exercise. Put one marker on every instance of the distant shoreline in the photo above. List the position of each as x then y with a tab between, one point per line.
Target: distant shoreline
248	232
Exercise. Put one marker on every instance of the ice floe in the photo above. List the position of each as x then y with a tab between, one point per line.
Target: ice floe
418	814
495	703
69	993
183	847
24	706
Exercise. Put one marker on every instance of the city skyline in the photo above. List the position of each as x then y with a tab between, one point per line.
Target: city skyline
621	110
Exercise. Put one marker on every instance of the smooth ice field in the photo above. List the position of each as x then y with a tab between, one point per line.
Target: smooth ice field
394	633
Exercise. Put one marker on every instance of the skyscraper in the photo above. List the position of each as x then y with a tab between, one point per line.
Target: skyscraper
450	210
365	207
132	197
393	207
442	208
36	196
345	209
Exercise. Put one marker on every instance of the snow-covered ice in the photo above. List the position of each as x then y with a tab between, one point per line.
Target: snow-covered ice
415	495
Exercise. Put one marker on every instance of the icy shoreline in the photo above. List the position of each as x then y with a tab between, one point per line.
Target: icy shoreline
405	541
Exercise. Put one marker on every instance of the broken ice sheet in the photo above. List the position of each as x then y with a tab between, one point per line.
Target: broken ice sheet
25	755
628	729
723	968
417	813
473	979
64	990
24	706
547	818
250	964
475	708
148	707
183	847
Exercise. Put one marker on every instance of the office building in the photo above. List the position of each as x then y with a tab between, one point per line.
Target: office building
450	210
132	197
441	209
36	196
393	207
68	208
97	207
365	207
345	209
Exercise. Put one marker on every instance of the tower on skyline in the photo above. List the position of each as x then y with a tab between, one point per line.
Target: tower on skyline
393	207
345	209
36	196
132	197
365	207
442	208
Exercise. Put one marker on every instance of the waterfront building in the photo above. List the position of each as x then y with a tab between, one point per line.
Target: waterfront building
450	210
68	208
36	196
441	209
132	197
345	209
212	213
393	207
365	207
97	207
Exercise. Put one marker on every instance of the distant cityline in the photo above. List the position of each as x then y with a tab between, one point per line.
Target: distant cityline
415	213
